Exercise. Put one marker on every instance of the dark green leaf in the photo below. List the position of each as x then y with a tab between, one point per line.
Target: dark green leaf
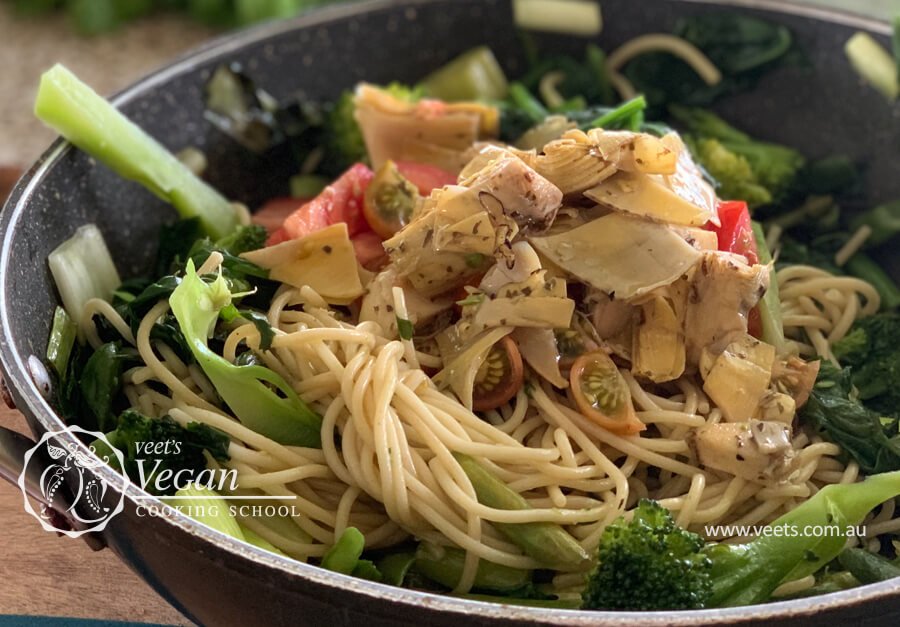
175	240
101	380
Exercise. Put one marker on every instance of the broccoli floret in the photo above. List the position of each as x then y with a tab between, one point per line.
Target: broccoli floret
343	141
732	171
649	564
244	239
772	166
185	449
872	350
342	138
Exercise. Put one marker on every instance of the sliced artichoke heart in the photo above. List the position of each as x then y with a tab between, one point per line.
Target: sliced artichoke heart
526	311
755	450
620	255
658	351
738	379
323	260
425	132
540	350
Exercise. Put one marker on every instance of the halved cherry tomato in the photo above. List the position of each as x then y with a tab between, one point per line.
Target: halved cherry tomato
736	236
500	376
424	176
389	201
602	395
342	201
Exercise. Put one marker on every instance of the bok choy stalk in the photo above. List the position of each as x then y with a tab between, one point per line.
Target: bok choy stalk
745	574
87	120
770	305
83	269
277	413
206	506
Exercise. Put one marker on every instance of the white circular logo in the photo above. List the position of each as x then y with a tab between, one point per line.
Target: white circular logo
92	505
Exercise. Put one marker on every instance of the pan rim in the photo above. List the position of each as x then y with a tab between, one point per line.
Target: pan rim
27	393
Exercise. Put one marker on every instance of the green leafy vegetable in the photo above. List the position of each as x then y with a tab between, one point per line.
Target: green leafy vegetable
175	242
101	381
649	563
742	47
174	447
91	123
858	430
736	43
276	412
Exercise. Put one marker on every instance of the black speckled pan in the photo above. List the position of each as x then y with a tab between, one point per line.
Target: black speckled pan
215	580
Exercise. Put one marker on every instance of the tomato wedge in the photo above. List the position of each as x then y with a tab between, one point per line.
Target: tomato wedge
425	177
602	395
273	214
736	236
500	376
342	201
736	232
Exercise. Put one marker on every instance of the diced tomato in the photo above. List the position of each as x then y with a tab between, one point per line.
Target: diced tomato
368	248
736	236
736	233
272	214
342	201
425	177
277	237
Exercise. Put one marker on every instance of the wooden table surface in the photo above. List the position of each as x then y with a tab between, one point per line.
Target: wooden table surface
43	574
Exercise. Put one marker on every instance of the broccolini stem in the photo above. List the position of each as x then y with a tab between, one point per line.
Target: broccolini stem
445	566
862	266
770	306
547	542
344	555
523	99
866	567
